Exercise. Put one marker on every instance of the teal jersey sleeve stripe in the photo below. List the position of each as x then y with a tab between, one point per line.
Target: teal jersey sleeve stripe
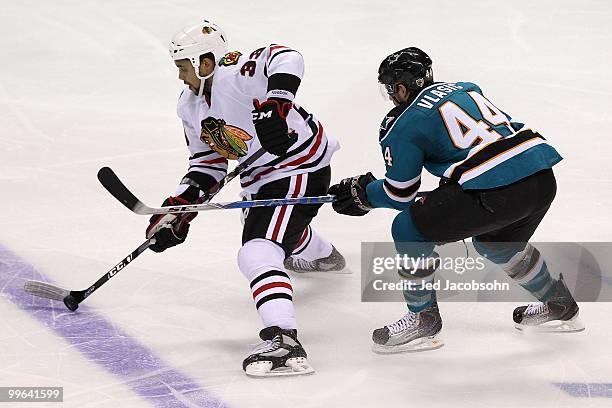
378	198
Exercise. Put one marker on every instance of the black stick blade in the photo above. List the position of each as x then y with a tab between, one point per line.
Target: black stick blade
111	182
71	303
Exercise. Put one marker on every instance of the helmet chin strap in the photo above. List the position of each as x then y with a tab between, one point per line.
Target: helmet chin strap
203	82
200	77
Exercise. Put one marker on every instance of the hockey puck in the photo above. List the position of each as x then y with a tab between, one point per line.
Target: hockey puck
71	303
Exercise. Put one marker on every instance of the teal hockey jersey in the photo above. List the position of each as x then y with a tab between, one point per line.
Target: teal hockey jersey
456	133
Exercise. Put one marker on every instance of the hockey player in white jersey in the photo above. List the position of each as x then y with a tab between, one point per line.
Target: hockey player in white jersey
234	105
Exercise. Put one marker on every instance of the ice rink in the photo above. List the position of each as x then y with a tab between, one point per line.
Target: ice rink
86	84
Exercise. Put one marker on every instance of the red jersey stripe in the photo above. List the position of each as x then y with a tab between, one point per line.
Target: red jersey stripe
276	47
214	161
295	162
310	153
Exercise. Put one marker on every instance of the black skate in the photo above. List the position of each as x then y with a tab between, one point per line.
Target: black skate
558	314
280	353
413	332
333	263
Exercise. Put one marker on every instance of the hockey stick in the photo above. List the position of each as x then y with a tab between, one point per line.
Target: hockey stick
272	202
72	298
115	186
111	182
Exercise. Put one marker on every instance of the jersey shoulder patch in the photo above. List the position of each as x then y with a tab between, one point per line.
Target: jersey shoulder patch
231	58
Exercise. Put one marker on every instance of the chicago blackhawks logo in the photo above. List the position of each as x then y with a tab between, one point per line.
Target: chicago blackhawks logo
231	58
228	141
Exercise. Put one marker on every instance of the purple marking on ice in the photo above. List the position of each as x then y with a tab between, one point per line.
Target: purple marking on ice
103	343
587	390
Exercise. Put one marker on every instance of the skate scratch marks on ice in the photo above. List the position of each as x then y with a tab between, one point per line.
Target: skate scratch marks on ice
103	343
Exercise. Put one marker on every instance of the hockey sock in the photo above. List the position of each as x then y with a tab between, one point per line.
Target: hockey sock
312	246
261	262
272	293
421	298
528	268
523	263
418	280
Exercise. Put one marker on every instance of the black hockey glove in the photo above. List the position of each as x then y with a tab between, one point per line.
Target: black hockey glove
351	198
169	229
270	120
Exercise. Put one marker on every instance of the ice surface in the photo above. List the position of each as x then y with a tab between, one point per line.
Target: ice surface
85	84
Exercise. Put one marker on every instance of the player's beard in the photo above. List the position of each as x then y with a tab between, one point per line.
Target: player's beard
208	86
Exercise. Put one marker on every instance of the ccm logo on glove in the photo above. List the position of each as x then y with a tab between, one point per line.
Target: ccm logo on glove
261	115
270	120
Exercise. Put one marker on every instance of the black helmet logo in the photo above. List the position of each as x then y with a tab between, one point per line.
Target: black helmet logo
410	67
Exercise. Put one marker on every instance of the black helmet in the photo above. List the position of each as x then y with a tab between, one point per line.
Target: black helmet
410	67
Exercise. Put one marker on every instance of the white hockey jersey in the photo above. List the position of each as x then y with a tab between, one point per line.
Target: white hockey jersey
237	80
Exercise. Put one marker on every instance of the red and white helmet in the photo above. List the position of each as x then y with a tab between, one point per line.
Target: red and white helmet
196	40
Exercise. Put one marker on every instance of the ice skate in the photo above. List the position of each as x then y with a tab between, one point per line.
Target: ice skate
413	332
334	262
558	314
280	354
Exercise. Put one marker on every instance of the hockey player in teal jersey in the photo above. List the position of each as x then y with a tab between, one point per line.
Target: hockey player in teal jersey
496	186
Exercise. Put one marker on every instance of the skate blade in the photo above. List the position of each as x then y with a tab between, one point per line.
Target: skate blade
572	325
293	366
343	271
423	344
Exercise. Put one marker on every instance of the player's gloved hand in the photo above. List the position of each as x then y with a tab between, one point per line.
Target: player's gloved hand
270	120
169	229
351	197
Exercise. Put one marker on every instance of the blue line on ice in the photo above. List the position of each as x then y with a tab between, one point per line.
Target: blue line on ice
103	343
587	390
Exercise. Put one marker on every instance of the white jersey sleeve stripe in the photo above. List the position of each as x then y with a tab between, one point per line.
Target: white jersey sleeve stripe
403	184
398	198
